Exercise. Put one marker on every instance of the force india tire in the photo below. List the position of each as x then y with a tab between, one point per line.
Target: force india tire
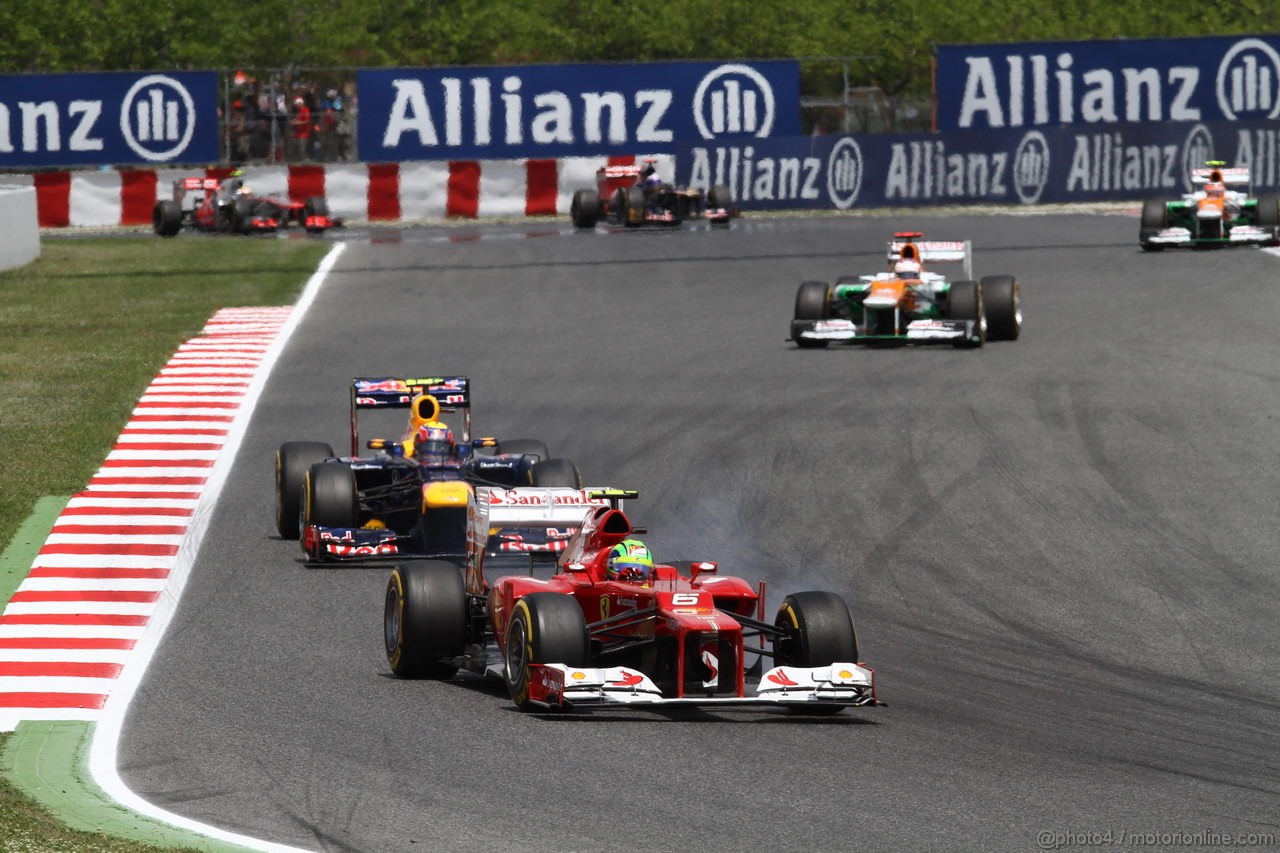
424	620
1002	301
555	474
1155	218
1269	214
812	300
545	627
293	460
817	630
166	218
964	302
584	210
329	493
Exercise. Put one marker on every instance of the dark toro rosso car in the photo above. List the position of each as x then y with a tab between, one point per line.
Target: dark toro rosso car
908	304
624	196
410	495
225	205
577	635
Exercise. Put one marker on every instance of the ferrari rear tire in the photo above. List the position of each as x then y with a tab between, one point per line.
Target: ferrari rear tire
817	630
964	302
813	301
545	627
525	446
1002	301
424	620
584	210
166	218
293	460
555	474
330	498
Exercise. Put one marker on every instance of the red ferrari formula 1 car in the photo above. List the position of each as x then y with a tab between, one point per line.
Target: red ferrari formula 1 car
225	205
632	195
582	635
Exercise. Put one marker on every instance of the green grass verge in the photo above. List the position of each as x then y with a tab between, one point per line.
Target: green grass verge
85	330
88	325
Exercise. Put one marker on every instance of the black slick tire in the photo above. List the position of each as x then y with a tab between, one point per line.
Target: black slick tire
1002	302
545	627
813	301
584	210
329	495
555	474
293	460
964	302
424	619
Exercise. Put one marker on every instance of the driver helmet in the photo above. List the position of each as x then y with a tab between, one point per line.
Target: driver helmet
630	561
907	268
649	175
433	444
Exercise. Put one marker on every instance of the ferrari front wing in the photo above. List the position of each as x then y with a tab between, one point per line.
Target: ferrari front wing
840	684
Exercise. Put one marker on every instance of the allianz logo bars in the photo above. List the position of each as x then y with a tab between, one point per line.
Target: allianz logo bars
80	119
1014	85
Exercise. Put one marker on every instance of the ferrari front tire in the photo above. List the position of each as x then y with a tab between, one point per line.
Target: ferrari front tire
293	460
424	619
817	630
545	627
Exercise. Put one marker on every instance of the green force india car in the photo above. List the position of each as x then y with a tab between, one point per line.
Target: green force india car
1214	215
909	305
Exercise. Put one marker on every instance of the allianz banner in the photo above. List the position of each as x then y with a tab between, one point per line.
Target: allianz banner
569	110
108	118
1053	165
1035	84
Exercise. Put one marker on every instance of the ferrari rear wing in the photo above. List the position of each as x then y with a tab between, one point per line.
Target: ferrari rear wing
938	252
542	507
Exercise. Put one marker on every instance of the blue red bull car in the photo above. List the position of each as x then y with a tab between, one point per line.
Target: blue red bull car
225	205
408	496
566	631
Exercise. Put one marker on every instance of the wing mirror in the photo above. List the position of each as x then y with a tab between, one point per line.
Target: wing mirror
701	567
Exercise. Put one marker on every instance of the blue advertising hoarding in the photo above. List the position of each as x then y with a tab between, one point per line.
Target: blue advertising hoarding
1051	165
570	110
94	119
1035	84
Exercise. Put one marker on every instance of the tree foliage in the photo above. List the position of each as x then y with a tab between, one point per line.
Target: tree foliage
894	40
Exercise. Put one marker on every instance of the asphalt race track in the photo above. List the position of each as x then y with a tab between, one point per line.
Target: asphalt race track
1061	551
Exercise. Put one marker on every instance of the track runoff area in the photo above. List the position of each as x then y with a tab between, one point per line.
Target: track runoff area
88	605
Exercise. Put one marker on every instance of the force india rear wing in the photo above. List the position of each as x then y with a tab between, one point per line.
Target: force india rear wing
938	252
1234	177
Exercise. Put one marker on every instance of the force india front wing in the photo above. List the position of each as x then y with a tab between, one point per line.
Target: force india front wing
838	685
1237	235
917	332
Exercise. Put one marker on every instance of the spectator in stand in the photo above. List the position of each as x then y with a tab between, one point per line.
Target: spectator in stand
301	149
330	109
